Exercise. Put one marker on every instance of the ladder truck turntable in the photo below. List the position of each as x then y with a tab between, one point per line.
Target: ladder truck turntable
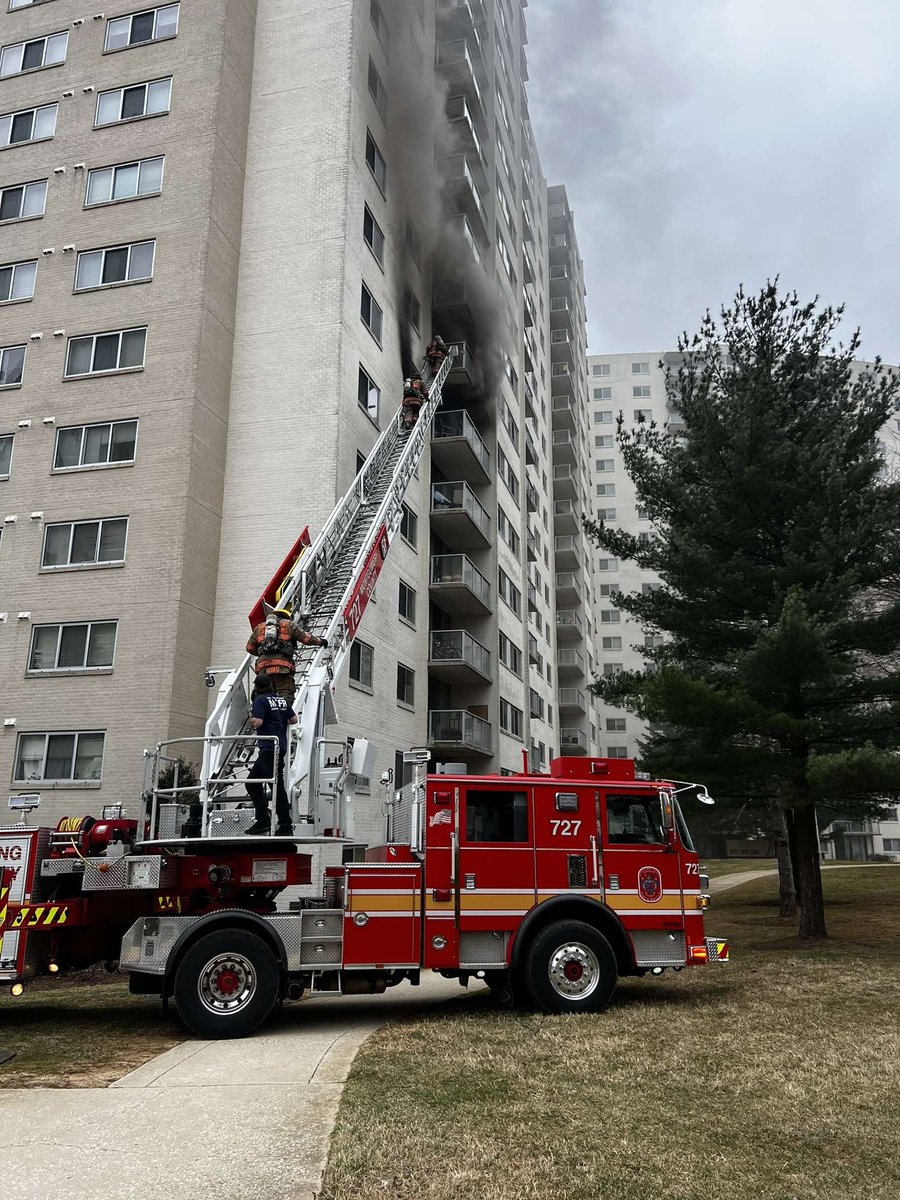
547	886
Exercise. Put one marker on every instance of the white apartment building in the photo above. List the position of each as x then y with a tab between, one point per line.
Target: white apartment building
222	245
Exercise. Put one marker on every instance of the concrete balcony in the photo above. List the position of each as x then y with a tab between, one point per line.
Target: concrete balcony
572	741
569	663
562	350
569	625
566	517
531	409
457	447
458	517
531	451
455	305
571	700
567	550
460	732
532	547
462	193
565	413
457	586
560	312
459	62
458	18
563	446
562	379
534	598
532	499
565	482
466	122
568	589
456	657
460	224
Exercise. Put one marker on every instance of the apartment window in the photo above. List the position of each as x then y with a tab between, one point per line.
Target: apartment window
377	18
647	589
58	756
890	845
510	655
98	353
610	616
126	181
535	704
376	88
643	414
509	593
108	444
360	461
130	103
412	308
643	514
510	719
12	364
31	56
409	526
28	125
508	475
610	589
507	532
115	264
85	543
612	668
606	489
406	605
152	25
509	423
605	514
600	369
406	685
619	752
6	447
615	724
642	392
17	281
640	368
607	564
361	659
603	417
653	641
603	393
85	646
375	162
368	394
612	643
413	242
373	235
23	200
371	314
605	464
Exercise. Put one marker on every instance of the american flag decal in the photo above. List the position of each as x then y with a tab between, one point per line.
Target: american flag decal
442	817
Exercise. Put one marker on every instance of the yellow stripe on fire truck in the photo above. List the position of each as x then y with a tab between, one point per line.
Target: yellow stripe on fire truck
32	916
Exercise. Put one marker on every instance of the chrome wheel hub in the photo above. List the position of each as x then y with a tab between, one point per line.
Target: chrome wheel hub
227	983
574	970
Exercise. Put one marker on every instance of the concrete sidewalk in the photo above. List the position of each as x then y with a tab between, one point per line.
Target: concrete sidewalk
234	1120
727	882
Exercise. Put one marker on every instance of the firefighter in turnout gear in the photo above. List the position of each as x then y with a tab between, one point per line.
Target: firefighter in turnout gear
270	717
414	396
274	642
435	352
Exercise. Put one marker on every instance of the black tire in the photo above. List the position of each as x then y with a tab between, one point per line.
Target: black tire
226	984
570	967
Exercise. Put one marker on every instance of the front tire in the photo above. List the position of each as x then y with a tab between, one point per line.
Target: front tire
570	967
226	984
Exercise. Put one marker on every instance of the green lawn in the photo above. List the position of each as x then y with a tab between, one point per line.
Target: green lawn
69	1034
776	1077
717	867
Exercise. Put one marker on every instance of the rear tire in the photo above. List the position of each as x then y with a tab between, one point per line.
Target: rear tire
226	984
570	967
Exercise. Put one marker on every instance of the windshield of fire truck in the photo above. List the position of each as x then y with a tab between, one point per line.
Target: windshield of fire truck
683	832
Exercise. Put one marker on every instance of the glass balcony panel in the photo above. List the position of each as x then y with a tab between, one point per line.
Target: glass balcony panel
458	586
457	446
453	655
459	730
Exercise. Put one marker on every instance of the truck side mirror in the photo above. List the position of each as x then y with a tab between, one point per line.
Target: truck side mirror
668	818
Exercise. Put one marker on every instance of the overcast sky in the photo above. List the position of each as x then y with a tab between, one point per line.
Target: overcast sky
706	143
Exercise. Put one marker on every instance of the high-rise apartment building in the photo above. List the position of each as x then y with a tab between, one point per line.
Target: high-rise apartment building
228	230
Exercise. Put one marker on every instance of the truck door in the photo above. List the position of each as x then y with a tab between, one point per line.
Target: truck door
641	874
567	840
495	882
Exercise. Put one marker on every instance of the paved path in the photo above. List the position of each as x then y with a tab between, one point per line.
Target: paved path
729	881
234	1120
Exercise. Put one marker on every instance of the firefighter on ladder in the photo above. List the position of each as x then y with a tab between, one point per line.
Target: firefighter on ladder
415	395
275	642
435	353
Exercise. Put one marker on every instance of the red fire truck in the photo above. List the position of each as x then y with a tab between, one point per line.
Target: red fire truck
548	886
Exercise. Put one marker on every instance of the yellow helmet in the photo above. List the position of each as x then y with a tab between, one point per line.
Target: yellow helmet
281	612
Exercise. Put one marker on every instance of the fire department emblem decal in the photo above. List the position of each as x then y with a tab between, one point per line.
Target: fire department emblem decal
649	884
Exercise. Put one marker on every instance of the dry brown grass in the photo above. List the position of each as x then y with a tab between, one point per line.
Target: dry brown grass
79	1033
774	1078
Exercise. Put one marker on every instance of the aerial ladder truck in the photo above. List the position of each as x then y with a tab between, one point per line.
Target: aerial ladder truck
549	887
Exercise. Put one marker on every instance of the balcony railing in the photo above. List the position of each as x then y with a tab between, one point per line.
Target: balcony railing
457	572
459	730
454	500
456	646
569	661
572	741
572	700
456	426
568	624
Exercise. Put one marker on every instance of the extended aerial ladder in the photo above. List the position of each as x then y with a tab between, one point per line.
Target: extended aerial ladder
330	582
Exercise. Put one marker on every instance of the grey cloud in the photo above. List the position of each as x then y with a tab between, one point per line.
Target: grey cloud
710	142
